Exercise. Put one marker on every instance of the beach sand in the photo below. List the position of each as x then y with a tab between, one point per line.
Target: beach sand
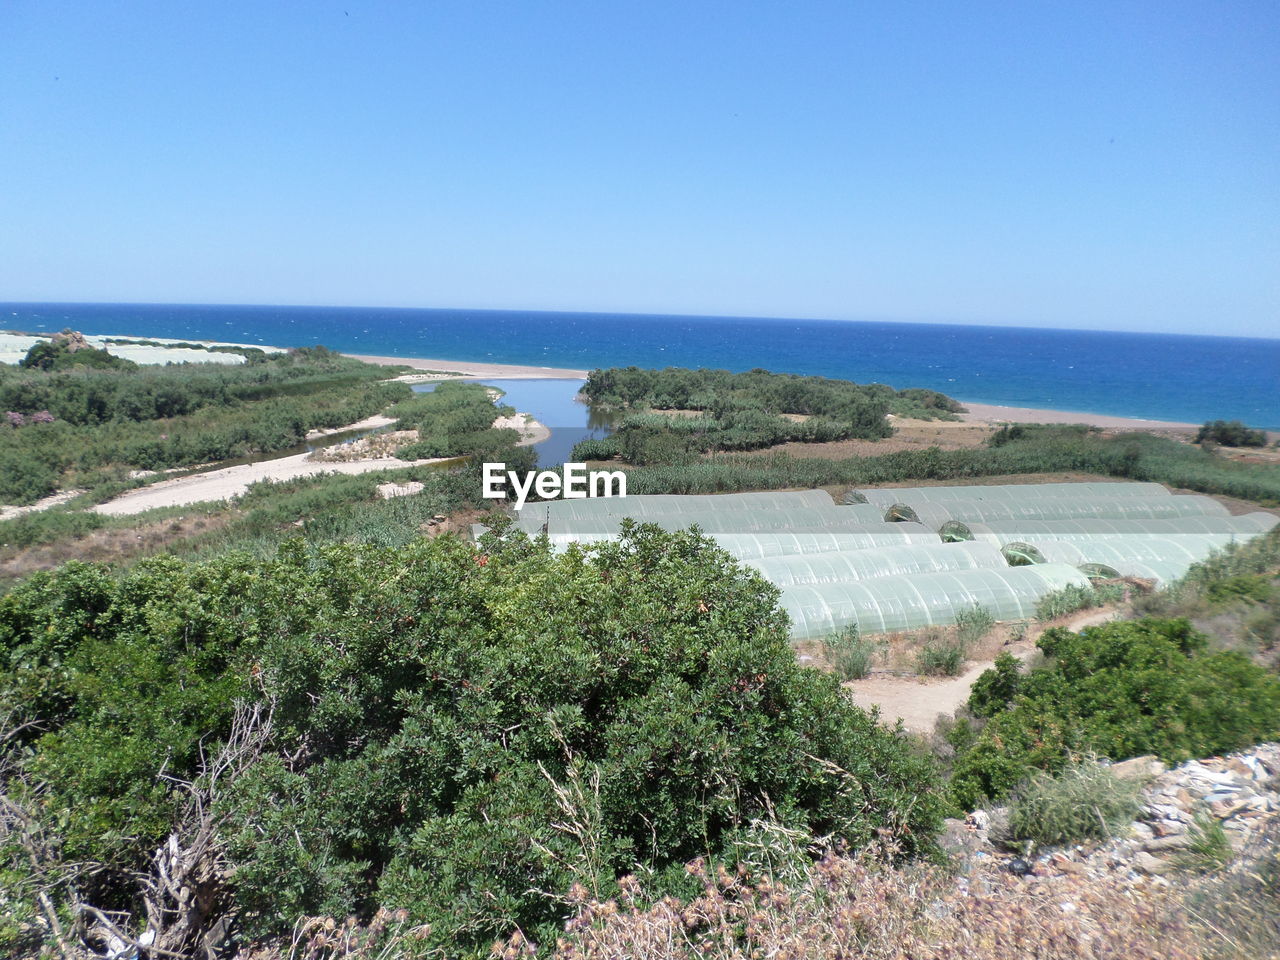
477	371
990	413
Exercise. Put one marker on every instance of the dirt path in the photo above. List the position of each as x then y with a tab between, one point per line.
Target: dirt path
919	700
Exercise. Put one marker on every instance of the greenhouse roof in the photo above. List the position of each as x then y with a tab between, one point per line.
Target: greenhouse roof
936	513
887	496
1001	532
851	565
888	604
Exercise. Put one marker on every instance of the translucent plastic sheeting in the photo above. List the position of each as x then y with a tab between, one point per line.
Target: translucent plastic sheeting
888	604
853	565
648	505
1191	548
888	496
1001	532
935	514
718	521
754	546
758	546
1161	572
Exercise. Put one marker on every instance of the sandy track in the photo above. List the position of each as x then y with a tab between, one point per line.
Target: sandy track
919	700
226	483
229	482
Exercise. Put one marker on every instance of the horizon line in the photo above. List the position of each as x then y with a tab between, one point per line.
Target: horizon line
625	313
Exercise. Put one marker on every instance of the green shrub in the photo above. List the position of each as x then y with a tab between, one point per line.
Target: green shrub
1119	690
973	624
1071	599
849	653
455	732
941	658
1231	433
1084	801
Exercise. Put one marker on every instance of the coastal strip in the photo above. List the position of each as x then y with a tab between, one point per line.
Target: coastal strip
477	371
995	414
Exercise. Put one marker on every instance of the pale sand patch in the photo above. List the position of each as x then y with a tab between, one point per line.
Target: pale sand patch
990	413
9	513
918	701
368	423
530	430
230	482
467	370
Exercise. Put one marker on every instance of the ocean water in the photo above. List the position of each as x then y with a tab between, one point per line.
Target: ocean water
1154	376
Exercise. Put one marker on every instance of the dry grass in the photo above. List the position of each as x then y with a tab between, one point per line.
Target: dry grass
858	908
112	545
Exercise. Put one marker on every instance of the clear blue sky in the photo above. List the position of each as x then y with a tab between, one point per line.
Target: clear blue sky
1103	165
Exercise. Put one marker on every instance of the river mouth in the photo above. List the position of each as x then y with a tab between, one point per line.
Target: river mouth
554	404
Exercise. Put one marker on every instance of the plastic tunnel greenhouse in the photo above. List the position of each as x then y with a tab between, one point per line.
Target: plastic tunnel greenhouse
788	543
649	505
1001	532
831	518
889	604
1156	558
936	513
853	565
887	496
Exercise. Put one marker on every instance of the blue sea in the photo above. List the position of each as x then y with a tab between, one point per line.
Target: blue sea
1153	376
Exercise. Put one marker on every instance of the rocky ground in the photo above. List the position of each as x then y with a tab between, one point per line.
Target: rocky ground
1240	791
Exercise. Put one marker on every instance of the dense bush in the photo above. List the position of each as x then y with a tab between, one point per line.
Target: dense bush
1083	801
1118	690
453	420
106	422
678	388
457	733
1231	433
56	355
741	411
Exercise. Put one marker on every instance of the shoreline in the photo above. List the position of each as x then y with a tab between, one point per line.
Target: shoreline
977	412
469	370
998	414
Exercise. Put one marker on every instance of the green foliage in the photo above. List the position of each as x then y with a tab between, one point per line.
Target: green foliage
995	689
1208	846
973	624
105	422
741	411
1042	450
454	420
849	653
1231	433
676	388
1071	599
454	732
1083	801
55	355
941	657
1252	587
1119	690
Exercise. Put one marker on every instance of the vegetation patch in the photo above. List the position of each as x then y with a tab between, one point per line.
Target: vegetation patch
1119	690
461	735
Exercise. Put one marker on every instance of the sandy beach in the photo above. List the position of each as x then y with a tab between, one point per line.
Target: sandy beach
991	413
477	371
